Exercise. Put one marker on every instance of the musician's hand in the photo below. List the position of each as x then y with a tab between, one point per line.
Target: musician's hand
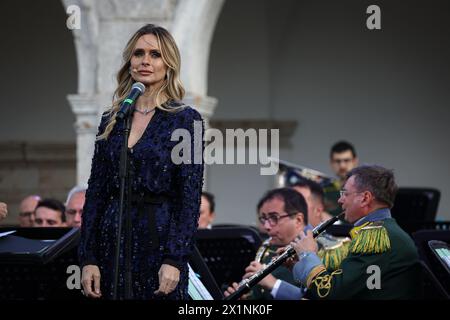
232	289
306	243
252	268
267	282
290	262
168	279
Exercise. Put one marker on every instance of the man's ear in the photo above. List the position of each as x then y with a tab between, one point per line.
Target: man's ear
367	198
300	217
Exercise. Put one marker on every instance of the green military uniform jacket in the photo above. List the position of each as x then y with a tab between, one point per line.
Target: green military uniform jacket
382	263
332	251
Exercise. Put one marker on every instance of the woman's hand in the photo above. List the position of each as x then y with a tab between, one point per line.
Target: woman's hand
168	279
90	280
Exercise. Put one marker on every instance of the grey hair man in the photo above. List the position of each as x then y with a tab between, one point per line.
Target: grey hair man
74	206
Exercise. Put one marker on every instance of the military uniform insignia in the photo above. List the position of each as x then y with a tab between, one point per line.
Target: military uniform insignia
323	282
370	238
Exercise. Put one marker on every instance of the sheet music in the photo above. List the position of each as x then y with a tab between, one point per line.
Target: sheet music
196	289
4	234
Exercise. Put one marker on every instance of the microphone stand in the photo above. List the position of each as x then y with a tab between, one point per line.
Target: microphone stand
124	207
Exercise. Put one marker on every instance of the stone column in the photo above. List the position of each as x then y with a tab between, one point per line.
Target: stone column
205	105
86	112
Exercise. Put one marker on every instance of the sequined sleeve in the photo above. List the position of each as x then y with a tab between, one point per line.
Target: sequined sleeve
184	219
95	202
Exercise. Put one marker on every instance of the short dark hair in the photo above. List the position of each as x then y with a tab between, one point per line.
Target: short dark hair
342	146
54	205
316	189
376	179
210	198
293	201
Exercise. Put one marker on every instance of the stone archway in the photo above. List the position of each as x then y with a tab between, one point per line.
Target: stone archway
194	41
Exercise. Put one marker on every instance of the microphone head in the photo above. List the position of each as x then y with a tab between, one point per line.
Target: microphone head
138	85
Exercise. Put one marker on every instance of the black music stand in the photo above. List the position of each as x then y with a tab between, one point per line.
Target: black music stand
421	239
199	266
414	207
227	251
441	264
34	262
432	286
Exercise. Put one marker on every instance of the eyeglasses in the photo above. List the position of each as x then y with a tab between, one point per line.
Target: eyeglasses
273	218
345	193
73	212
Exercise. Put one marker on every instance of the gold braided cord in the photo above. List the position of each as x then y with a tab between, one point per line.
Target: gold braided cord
314	272
323	283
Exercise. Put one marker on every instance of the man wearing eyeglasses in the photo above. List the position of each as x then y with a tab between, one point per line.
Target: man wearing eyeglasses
342	160
332	249
74	206
27	207
382	262
283	213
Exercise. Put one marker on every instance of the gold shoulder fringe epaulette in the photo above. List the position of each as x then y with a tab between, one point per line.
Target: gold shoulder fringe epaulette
333	251
370	238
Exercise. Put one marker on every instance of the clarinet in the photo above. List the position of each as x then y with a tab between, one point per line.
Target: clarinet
250	282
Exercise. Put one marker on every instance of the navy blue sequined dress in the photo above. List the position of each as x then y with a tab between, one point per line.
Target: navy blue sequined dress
162	232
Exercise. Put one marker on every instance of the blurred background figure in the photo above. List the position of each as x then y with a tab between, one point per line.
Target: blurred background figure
313	194
207	214
74	206
3	210
27	207
343	159
49	213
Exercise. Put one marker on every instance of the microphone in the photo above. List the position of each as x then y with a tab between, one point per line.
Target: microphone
136	90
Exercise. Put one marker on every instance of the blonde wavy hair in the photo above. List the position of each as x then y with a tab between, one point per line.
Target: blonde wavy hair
171	89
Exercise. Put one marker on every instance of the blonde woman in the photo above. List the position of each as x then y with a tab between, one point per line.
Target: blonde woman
165	196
